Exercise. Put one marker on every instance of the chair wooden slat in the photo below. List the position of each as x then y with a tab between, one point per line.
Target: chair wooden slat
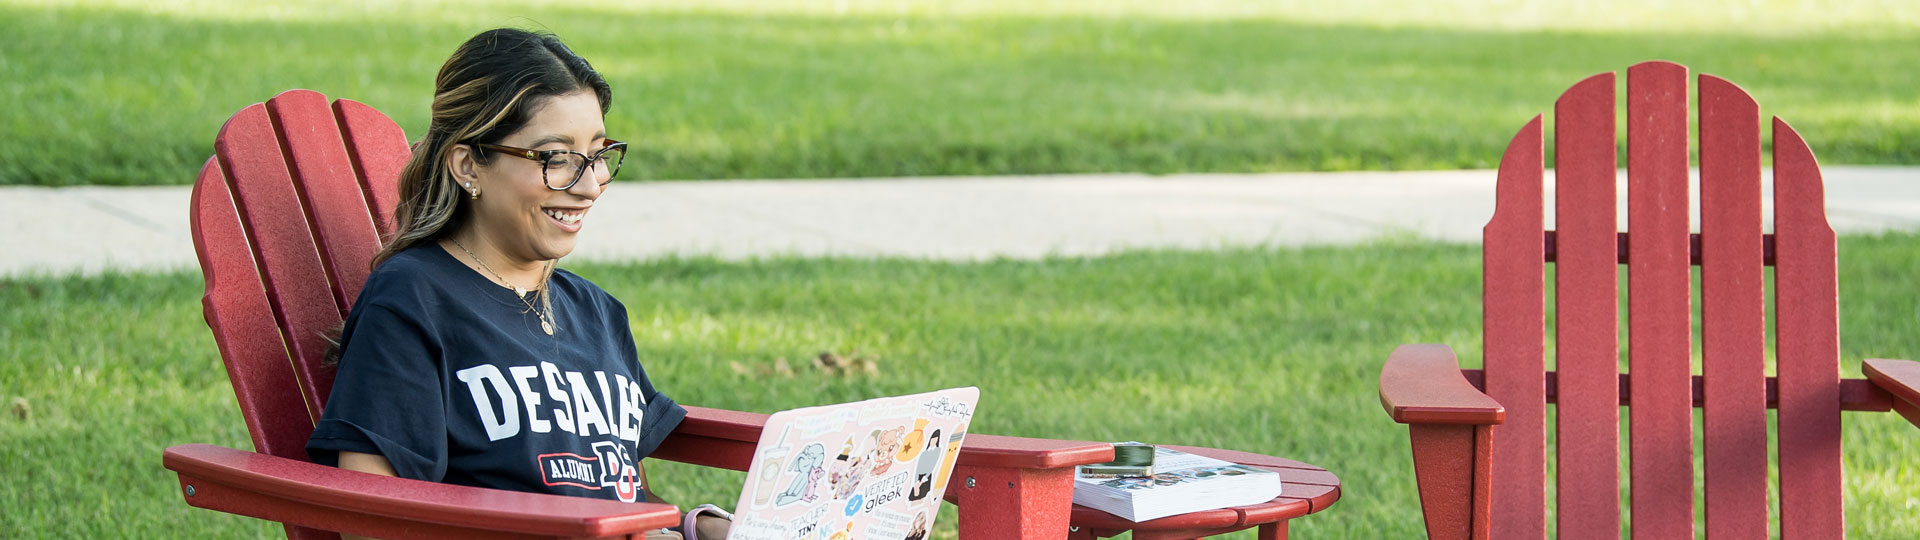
1586	312
1732	314
379	150
251	347
317	157
1514	266
1659	305
1807	346
250	342
270	211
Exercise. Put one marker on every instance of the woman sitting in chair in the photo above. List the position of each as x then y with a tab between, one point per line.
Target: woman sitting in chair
468	358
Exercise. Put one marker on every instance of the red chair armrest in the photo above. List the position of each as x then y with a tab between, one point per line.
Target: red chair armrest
1898	377
713	438
1037	474
723	424
1000	451
322	497
1422	384
1901	378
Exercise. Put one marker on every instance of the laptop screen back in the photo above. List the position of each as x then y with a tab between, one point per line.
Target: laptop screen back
871	470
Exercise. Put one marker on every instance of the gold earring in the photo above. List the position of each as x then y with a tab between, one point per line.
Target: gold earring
472	194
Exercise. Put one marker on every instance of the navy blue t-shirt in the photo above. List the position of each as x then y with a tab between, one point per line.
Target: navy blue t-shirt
450	378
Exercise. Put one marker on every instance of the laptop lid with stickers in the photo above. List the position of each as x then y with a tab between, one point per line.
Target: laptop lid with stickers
871	470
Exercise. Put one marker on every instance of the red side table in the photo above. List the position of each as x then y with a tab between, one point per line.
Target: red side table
1304	488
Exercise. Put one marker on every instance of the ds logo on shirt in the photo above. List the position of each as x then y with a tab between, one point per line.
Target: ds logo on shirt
612	467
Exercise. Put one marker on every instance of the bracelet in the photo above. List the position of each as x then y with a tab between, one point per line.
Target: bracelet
688	526
711	509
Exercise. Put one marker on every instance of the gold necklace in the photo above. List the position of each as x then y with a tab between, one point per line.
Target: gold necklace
546	324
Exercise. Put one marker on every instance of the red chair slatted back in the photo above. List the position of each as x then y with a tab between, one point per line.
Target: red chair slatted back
286	218
285	232
1731	251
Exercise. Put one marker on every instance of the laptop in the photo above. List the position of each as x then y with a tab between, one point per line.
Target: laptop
868	470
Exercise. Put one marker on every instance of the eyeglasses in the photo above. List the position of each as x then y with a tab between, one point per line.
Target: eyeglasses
567	165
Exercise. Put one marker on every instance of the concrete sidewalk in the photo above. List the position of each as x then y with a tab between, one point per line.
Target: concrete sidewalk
90	229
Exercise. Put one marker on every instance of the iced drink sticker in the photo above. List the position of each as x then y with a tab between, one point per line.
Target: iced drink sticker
770	462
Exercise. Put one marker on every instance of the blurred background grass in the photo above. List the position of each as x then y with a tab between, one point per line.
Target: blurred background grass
1268	350
132	92
1275	351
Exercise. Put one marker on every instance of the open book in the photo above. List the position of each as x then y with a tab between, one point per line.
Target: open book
1181	483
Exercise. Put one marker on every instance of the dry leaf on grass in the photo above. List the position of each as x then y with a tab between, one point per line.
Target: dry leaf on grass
842	366
827	363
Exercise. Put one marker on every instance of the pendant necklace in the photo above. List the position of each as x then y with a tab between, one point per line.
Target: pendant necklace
546	324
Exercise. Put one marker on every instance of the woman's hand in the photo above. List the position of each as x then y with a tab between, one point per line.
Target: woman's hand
662	534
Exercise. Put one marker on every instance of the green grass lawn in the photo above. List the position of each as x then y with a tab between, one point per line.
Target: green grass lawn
121	92
1274	351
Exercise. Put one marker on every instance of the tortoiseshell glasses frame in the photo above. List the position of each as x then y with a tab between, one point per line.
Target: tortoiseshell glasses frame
554	161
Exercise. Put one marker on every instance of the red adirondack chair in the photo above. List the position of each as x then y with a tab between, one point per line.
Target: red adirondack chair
1479	437
286	217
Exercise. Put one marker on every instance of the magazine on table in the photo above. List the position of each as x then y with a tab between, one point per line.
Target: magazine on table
1181	483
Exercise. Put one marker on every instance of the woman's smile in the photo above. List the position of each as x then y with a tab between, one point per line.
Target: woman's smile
567	218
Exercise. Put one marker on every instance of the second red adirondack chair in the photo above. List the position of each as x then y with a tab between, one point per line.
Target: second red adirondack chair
1480	437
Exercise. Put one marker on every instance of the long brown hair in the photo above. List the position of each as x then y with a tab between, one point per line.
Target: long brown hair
486	91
